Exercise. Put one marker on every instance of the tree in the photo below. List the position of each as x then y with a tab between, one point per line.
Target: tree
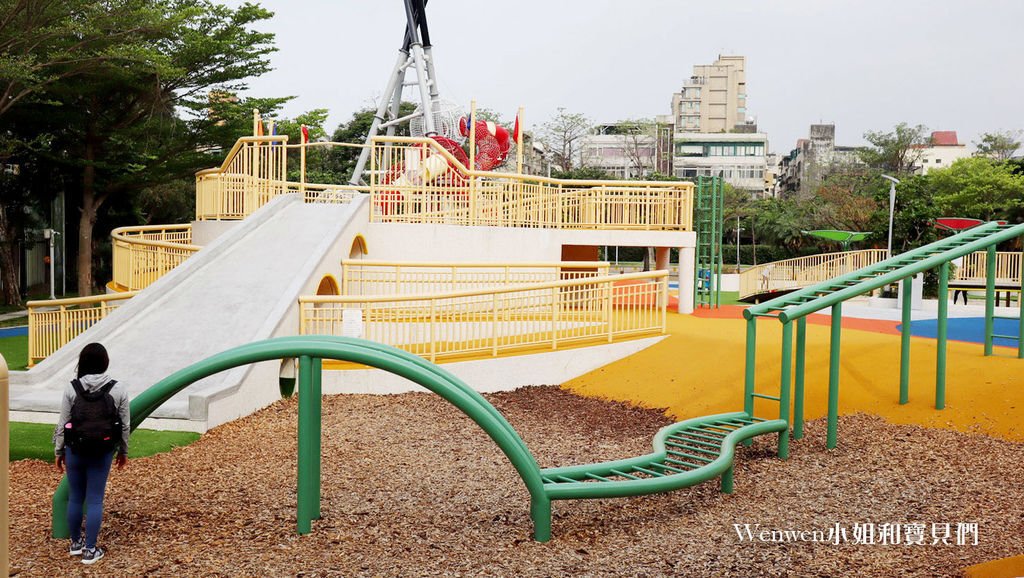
124	129
980	188
846	201
897	151
913	217
561	136
1000	146
43	42
638	144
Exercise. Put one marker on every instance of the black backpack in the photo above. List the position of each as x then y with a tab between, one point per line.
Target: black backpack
95	425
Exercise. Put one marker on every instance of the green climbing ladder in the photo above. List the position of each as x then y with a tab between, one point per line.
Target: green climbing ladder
707	217
796	306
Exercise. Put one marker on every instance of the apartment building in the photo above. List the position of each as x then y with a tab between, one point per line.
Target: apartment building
813	159
943	150
739	158
714	99
625	150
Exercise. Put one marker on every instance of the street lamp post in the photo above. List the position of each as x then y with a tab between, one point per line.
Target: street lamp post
892	206
738	229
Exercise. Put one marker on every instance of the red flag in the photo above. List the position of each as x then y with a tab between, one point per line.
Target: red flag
305	134
515	130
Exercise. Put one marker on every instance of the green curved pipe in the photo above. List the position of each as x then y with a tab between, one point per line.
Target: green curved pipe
375	355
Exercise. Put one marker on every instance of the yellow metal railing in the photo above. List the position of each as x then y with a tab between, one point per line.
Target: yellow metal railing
490	322
972	269
253	173
804	271
417	181
365	277
144	254
52	324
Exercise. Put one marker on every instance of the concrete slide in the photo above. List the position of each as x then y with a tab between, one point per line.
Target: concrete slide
241	287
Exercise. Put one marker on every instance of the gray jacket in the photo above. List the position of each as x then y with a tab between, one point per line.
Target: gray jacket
93	383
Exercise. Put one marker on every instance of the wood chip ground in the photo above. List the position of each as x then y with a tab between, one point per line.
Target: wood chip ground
411	487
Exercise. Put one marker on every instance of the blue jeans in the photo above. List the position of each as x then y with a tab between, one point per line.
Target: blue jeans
87	478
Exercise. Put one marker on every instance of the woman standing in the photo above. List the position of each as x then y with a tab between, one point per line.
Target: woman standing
94	424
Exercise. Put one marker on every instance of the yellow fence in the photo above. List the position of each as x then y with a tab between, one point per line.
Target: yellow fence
972	270
253	173
804	271
365	277
417	181
489	322
52	324
144	254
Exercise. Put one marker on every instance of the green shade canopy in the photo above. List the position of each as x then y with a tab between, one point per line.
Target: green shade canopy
844	237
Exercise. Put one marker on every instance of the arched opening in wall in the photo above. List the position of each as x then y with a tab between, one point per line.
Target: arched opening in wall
328	286
358	249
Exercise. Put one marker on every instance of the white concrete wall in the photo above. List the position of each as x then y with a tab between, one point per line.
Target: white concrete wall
411	242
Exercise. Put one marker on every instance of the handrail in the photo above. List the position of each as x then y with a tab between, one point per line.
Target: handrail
477	292
54	323
972	269
139	261
134	235
416	180
497	319
361	276
802	271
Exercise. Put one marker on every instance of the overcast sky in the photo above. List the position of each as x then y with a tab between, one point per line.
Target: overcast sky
864	64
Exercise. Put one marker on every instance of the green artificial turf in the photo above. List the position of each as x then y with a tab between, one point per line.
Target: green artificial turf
15	351
35	441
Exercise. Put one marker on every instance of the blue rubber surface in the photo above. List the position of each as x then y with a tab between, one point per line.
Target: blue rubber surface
14	331
970	329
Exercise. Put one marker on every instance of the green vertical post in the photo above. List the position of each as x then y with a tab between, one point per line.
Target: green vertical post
304	503
317	376
749	368
833	375
784	385
1020	305
798	401
720	199
990	296
940	355
905	298
727	480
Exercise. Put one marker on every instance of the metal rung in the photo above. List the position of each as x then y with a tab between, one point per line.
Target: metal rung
698	442
664	467
686	447
565	479
547	480
648	472
597	477
686	455
1005	317
625	475
685	464
766	315
765	396
1005	336
708	431
717	438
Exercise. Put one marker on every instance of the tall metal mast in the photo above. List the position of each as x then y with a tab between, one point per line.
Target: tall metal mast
415	53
